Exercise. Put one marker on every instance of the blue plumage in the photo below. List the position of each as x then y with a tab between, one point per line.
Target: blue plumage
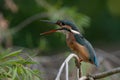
76	41
82	41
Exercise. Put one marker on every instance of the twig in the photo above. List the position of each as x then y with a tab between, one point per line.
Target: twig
101	75
67	71
65	63
80	72
107	73
88	77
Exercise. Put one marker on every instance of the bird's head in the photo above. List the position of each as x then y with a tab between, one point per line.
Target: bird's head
65	27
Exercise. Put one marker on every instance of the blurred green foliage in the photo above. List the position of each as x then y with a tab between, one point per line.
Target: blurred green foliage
99	20
14	67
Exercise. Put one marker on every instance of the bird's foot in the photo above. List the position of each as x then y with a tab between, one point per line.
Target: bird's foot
78	62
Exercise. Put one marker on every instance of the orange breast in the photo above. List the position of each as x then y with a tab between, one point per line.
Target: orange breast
80	50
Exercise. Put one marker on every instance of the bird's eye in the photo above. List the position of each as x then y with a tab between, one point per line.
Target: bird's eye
62	24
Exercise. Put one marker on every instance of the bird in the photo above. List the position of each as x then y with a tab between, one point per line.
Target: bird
75	41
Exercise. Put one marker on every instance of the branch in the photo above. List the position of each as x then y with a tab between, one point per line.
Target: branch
66	63
101	75
107	73
88	77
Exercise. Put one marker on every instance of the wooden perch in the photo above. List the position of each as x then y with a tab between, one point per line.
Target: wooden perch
65	63
107	73
88	77
101	75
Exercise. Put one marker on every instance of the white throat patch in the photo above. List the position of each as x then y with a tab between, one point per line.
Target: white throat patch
75	32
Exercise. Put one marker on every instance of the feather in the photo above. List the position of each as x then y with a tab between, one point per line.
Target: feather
82	41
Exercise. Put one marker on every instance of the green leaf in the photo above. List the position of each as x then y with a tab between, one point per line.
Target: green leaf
10	62
14	73
15	53
14	67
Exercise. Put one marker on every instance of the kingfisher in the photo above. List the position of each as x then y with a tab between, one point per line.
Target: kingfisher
75	41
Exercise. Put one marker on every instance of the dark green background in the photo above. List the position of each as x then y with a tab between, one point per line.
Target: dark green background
104	26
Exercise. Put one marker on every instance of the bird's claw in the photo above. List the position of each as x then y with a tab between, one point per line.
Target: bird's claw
78	62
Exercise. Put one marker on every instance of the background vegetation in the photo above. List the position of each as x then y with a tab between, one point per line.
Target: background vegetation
20	25
100	20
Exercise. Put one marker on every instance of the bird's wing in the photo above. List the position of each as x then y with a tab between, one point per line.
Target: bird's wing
81	40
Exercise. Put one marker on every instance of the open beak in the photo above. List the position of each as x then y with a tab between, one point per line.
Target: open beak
51	31
48	32
47	21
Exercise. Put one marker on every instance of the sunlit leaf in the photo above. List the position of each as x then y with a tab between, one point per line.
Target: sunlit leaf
12	54
14	73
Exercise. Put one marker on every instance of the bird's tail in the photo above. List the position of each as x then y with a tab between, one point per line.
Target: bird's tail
96	62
